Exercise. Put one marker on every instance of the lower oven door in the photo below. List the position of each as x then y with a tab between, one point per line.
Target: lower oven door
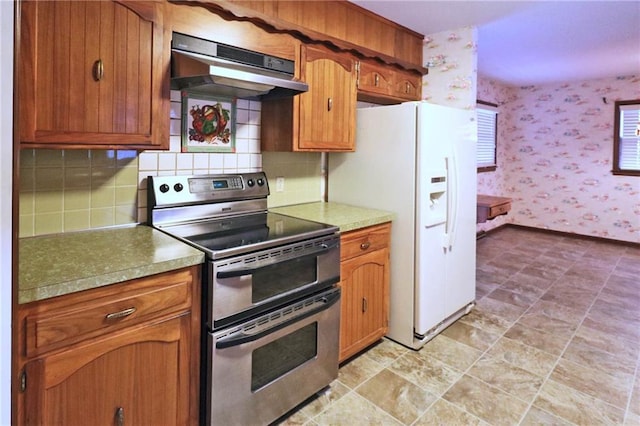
259	370
259	281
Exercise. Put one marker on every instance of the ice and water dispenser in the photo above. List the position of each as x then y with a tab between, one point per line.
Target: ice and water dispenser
435	212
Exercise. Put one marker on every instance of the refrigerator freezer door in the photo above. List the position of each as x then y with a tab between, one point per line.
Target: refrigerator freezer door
399	150
381	175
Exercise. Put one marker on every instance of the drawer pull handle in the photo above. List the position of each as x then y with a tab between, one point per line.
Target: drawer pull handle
121	314
98	70
365	246
329	104
120	416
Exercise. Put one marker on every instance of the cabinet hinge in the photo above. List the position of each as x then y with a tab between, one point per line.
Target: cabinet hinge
358	74
23	381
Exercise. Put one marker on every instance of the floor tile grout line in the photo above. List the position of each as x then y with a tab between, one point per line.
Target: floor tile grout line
386	366
559	358
627	409
544	379
636	374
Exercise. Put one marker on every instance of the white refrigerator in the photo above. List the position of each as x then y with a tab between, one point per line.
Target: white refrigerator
418	160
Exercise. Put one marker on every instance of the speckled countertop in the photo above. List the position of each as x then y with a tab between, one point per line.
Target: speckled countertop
347	217
59	264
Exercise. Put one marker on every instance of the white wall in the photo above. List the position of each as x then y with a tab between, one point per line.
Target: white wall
6	156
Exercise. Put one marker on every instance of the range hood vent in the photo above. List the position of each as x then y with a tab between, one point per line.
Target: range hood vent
207	67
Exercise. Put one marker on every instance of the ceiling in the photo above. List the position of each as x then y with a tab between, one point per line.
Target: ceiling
533	42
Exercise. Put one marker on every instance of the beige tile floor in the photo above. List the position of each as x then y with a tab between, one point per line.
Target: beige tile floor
554	339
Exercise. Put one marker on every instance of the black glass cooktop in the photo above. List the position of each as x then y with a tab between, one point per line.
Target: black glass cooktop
246	233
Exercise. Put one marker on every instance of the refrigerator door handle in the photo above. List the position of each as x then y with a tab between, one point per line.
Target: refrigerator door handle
452	213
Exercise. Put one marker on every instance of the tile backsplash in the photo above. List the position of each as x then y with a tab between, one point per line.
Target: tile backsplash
247	157
71	190
74	190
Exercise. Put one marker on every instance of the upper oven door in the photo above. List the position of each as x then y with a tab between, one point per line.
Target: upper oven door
252	283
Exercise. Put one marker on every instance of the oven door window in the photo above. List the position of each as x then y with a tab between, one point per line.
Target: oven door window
275	359
277	279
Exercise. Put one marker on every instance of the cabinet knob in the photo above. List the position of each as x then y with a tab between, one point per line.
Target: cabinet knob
365	245
98	70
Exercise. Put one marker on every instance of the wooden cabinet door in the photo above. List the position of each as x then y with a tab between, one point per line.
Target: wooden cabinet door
407	86
374	79
364	301
139	376
92	75
384	84
328	109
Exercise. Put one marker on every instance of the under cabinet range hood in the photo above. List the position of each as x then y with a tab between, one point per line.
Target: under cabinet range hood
207	67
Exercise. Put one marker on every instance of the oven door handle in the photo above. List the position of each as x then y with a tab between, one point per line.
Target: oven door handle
240	338
248	271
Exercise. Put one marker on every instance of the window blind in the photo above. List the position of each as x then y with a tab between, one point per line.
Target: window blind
629	149
486	151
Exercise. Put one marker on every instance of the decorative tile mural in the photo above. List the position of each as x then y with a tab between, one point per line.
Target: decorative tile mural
451	57
555	149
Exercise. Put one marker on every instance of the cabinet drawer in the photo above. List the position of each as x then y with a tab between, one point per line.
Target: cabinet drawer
500	209
364	240
51	327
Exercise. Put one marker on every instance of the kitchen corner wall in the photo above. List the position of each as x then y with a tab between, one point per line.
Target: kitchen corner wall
75	190
555	149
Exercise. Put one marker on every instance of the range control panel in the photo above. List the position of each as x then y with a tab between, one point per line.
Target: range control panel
171	191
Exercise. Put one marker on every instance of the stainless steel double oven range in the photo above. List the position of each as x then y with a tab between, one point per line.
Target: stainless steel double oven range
271	306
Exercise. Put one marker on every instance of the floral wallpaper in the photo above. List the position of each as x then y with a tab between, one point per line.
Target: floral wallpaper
451	57
555	148
493	183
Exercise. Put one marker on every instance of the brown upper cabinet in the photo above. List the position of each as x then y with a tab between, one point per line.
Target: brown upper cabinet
92	75
381	83
322	119
375	78
407	85
343	20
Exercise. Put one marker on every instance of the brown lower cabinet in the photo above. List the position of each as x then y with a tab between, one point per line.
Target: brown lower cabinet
122	354
364	273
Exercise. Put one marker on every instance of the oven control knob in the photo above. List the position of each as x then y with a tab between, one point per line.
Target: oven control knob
164	188
250	182
178	187
260	182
